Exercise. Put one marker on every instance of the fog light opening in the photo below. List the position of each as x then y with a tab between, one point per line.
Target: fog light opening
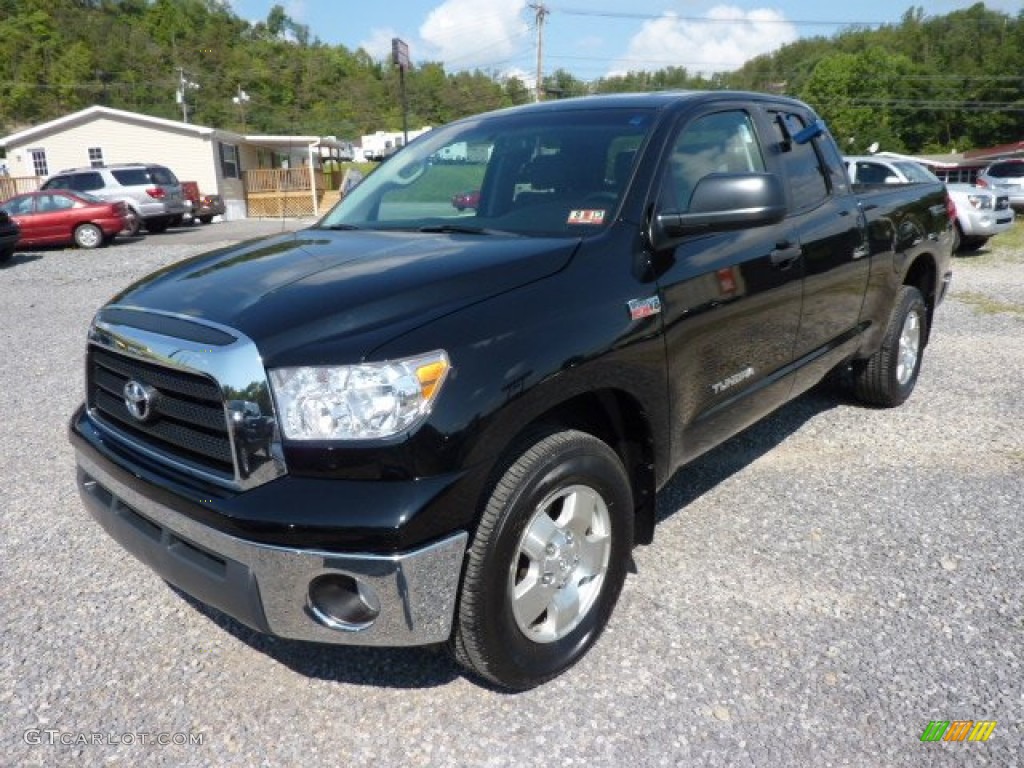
339	601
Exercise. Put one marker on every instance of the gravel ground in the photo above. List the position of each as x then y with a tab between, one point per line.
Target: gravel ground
820	588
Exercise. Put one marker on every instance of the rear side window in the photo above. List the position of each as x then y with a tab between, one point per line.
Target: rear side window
131	177
807	183
161	175
1006	170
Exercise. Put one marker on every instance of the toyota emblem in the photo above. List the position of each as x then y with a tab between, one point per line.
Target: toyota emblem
139	399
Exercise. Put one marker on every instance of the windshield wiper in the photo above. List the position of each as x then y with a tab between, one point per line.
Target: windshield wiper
458	229
340	227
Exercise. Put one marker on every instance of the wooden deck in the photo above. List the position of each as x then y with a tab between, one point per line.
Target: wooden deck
15	185
288	192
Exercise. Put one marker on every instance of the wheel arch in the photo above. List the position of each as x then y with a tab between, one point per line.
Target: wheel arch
616	418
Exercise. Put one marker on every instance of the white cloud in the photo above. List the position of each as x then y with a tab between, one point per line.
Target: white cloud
474	33
728	38
378	44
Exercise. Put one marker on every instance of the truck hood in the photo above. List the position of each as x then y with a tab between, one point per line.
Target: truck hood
313	295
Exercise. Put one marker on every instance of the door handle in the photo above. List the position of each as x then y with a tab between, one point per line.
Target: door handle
785	254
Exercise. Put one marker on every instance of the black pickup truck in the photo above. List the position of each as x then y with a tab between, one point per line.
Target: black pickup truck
410	425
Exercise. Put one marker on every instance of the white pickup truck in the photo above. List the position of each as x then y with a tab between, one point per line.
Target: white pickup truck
980	213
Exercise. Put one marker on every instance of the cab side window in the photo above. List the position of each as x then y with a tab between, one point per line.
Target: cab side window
722	142
871	173
807	175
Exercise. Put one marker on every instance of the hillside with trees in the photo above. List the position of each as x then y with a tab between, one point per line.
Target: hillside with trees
928	83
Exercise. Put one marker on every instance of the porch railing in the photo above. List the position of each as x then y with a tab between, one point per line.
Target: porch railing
15	185
286	192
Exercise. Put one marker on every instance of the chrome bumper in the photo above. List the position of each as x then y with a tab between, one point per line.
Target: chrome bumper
268	587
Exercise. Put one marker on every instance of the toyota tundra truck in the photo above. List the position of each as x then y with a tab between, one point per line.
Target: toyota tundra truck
410	425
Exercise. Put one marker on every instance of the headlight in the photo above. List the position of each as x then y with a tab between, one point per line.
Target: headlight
980	201
357	402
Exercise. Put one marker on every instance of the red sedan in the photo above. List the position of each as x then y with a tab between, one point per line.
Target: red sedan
60	217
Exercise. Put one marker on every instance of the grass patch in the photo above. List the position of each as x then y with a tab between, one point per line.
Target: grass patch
440	182
1012	239
989	306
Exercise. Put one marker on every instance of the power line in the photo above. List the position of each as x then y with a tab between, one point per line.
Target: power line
708	20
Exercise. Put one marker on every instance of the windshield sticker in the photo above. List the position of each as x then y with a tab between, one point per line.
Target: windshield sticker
587	216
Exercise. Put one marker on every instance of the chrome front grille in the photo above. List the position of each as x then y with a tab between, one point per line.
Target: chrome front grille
184	392
188	418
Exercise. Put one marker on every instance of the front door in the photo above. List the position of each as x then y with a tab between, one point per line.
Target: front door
731	301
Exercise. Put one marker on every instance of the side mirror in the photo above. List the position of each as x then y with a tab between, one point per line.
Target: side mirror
892	180
722	202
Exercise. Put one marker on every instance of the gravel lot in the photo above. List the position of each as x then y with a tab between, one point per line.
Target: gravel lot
820	588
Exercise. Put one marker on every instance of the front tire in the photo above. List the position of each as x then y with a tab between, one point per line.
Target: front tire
888	377
88	236
547	562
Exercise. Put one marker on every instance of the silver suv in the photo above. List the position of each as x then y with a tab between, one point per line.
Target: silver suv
1006	176
151	191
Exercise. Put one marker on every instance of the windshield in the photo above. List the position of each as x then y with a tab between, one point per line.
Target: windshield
536	173
916	172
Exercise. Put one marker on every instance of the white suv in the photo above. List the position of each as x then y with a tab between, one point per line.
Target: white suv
151	191
979	213
1006	176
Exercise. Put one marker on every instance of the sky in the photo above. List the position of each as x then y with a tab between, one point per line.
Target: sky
590	40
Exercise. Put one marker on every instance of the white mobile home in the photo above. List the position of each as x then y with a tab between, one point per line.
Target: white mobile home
216	159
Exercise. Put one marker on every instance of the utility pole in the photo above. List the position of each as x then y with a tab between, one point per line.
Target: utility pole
181	95
541	12
240	100
400	57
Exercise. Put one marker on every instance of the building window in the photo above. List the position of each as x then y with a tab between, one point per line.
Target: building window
229	161
39	166
96	157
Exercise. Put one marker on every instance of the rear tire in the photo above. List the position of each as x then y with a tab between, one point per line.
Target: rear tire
888	377
133	228
972	244
88	236
547	562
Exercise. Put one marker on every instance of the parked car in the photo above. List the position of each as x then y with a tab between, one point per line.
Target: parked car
1006	176
151	191
977	214
9	234
201	208
61	217
464	200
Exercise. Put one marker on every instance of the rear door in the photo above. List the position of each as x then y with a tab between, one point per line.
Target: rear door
730	300
831	231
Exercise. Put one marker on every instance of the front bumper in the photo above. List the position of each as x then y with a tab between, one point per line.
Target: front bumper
267	587
986	223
